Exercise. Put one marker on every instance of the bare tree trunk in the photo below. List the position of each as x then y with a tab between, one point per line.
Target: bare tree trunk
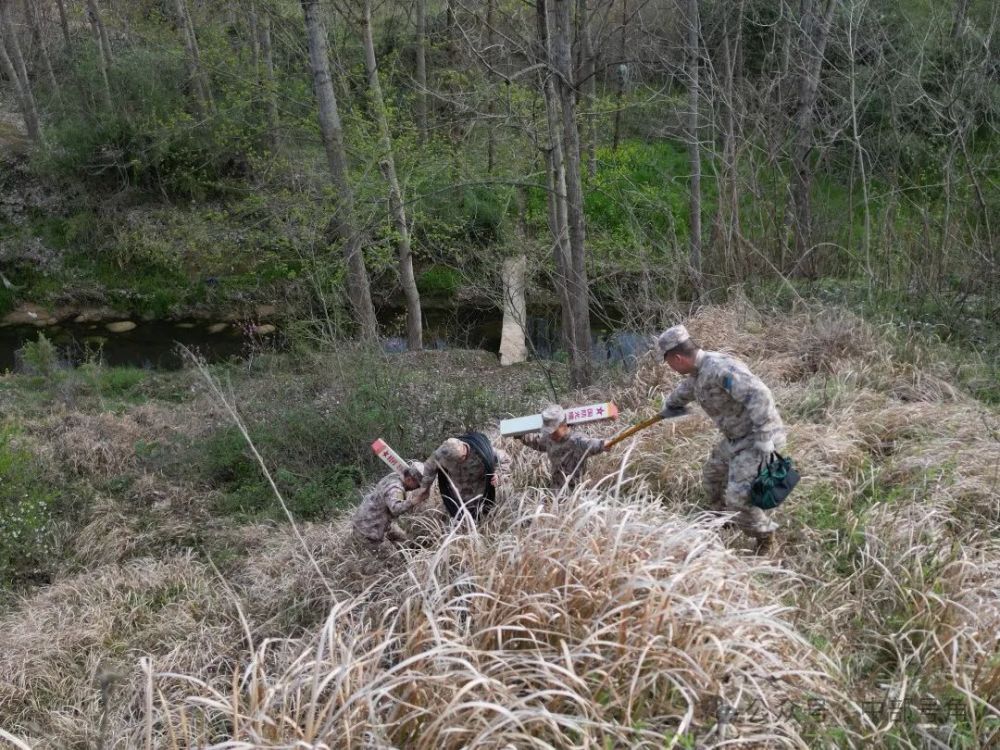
102	33
587	70
197	56
387	162
727	218
103	52
274	135
558	212
358	287
12	63
815	34
449	32
202	97
422	70
491	144
31	14
619	94
254	23
858	148
958	23
558	225
560	31
694	144
64	23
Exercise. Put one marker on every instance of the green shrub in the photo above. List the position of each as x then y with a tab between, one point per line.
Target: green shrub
223	458
40	357
439	281
637	196
26	514
8	300
472	215
120	381
151	140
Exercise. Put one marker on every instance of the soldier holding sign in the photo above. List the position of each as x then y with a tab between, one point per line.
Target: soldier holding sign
567	452
395	494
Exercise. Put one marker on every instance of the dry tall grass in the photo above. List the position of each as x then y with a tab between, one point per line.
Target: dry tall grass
618	617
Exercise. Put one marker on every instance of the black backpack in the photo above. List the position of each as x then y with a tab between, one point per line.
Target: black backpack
774	481
481	445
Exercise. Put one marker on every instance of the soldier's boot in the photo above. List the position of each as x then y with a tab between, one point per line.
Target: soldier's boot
397	537
396	534
764	544
755	524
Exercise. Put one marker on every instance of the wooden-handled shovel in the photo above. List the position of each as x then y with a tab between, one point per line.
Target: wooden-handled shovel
629	431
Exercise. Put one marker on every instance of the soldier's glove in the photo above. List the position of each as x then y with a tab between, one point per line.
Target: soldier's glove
670	412
765	447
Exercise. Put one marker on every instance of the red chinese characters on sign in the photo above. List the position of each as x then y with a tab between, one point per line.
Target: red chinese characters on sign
389	456
591	412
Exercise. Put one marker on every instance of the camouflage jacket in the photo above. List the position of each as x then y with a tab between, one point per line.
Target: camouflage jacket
468	476
384	502
741	406
568	459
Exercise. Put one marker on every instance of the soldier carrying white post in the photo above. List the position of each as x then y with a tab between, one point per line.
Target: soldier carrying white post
375	519
742	407
567	451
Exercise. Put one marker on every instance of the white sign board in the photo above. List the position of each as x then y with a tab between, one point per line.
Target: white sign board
574	415
387	454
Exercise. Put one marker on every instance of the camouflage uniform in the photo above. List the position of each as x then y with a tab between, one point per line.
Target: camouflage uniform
567	458
374	520
467	476
743	409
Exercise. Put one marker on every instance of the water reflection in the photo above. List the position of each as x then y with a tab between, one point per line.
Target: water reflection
480	329
154	345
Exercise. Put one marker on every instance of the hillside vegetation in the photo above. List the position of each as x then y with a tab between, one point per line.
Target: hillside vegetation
140	196
810	185
179	615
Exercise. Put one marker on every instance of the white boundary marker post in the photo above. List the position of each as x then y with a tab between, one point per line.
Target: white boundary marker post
387	454
574	415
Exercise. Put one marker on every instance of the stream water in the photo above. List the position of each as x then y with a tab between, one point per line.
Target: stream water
156	345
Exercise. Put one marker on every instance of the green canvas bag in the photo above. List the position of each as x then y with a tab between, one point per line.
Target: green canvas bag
773	482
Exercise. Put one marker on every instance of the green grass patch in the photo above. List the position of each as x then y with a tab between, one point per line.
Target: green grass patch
8	300
120	382
819	507
28	504
439	281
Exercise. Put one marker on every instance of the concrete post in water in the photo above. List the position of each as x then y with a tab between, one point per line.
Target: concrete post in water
513	348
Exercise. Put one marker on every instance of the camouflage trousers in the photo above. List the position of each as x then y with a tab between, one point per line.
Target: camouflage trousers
728	474
379	549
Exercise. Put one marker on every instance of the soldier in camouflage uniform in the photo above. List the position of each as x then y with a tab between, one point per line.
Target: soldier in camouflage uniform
375	519
567	451
464	470
742	408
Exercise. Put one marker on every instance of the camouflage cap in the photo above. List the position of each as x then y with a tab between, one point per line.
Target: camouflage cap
552	417
672	337
452	449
